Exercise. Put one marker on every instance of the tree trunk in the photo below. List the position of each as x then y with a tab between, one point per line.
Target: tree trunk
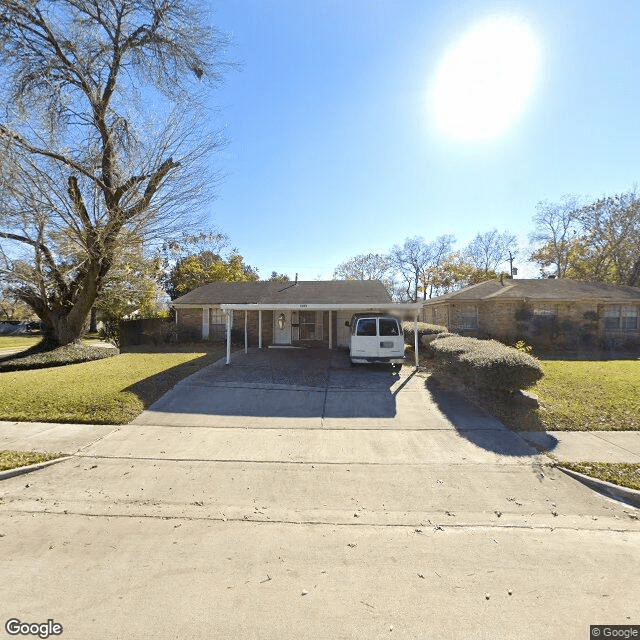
62	330
93	322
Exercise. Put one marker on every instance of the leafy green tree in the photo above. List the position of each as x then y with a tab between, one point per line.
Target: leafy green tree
194	271
81	151
279	277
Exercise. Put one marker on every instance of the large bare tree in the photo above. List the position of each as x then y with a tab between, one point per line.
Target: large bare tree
416	262
103	136
488	250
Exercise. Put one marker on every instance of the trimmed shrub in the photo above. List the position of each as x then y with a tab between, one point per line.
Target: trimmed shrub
424	329
487	363
39	357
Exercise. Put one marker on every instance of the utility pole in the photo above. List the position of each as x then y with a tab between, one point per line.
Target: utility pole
511	269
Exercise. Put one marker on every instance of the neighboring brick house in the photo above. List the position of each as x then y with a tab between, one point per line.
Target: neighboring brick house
309	313
547	312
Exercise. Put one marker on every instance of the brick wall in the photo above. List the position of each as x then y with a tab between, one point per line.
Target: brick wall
570	325
190	324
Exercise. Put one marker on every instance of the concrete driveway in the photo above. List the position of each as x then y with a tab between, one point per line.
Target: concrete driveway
290	496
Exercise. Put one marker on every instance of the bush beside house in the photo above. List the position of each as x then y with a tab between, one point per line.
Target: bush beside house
486	363
425	330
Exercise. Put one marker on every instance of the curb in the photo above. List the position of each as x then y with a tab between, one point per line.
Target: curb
18	471
615	491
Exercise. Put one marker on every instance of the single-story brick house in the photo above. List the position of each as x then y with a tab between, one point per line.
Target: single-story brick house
549	312
301	313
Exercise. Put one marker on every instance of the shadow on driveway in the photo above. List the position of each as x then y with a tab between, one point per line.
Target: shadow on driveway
307	383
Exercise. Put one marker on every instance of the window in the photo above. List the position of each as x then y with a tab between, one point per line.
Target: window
612	318
629	319
217	325
467	317
366	327
309	328
389	327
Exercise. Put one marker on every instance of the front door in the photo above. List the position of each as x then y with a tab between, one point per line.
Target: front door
282	328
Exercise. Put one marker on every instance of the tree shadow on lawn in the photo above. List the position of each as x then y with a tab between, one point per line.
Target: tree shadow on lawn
154	387
489	421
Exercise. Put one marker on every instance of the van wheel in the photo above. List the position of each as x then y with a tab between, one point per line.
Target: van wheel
353	364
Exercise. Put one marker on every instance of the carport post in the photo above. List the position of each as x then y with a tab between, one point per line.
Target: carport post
415	337
229	312
330	332
260	329
246	339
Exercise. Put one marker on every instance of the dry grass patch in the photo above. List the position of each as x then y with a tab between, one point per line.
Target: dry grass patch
622	473
15	459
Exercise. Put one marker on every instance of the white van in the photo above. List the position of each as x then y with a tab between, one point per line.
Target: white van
376	338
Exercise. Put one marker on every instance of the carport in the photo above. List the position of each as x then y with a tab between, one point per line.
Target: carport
397	309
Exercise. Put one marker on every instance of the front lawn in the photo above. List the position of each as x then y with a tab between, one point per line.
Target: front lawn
110	391
18	342
14	459
587	395
622	473
574	395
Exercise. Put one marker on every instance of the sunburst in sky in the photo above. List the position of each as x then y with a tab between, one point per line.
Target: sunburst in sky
485	79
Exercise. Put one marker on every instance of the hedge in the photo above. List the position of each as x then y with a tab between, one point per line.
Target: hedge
424	329
40	357
488	364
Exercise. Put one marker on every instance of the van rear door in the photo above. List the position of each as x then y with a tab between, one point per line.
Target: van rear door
391	340
366	343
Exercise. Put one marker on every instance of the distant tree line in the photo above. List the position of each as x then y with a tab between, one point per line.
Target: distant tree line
419	269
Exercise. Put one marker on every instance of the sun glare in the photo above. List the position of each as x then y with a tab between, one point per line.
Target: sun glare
484	80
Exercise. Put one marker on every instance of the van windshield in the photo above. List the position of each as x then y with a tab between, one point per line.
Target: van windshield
366	327
389	327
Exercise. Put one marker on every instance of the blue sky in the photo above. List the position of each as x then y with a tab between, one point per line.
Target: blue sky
333	145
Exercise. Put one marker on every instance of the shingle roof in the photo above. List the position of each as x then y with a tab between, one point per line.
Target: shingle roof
304	292
551	289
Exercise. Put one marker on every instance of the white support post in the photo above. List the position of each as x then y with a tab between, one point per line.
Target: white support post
205	323
229	318
330	332
415	337
260	329
175	311
246	335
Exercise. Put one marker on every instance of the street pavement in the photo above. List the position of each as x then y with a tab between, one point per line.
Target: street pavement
290	496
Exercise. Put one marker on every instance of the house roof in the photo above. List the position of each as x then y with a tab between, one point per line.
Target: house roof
550	289
303	292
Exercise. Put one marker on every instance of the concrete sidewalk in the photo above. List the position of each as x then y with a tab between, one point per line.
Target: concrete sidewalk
568	446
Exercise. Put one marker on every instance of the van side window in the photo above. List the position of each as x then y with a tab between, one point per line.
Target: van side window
366	327
389	327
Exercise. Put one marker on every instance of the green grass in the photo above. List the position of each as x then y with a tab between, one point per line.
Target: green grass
587	395
18	342
110	391
14	459
574	395
622	473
